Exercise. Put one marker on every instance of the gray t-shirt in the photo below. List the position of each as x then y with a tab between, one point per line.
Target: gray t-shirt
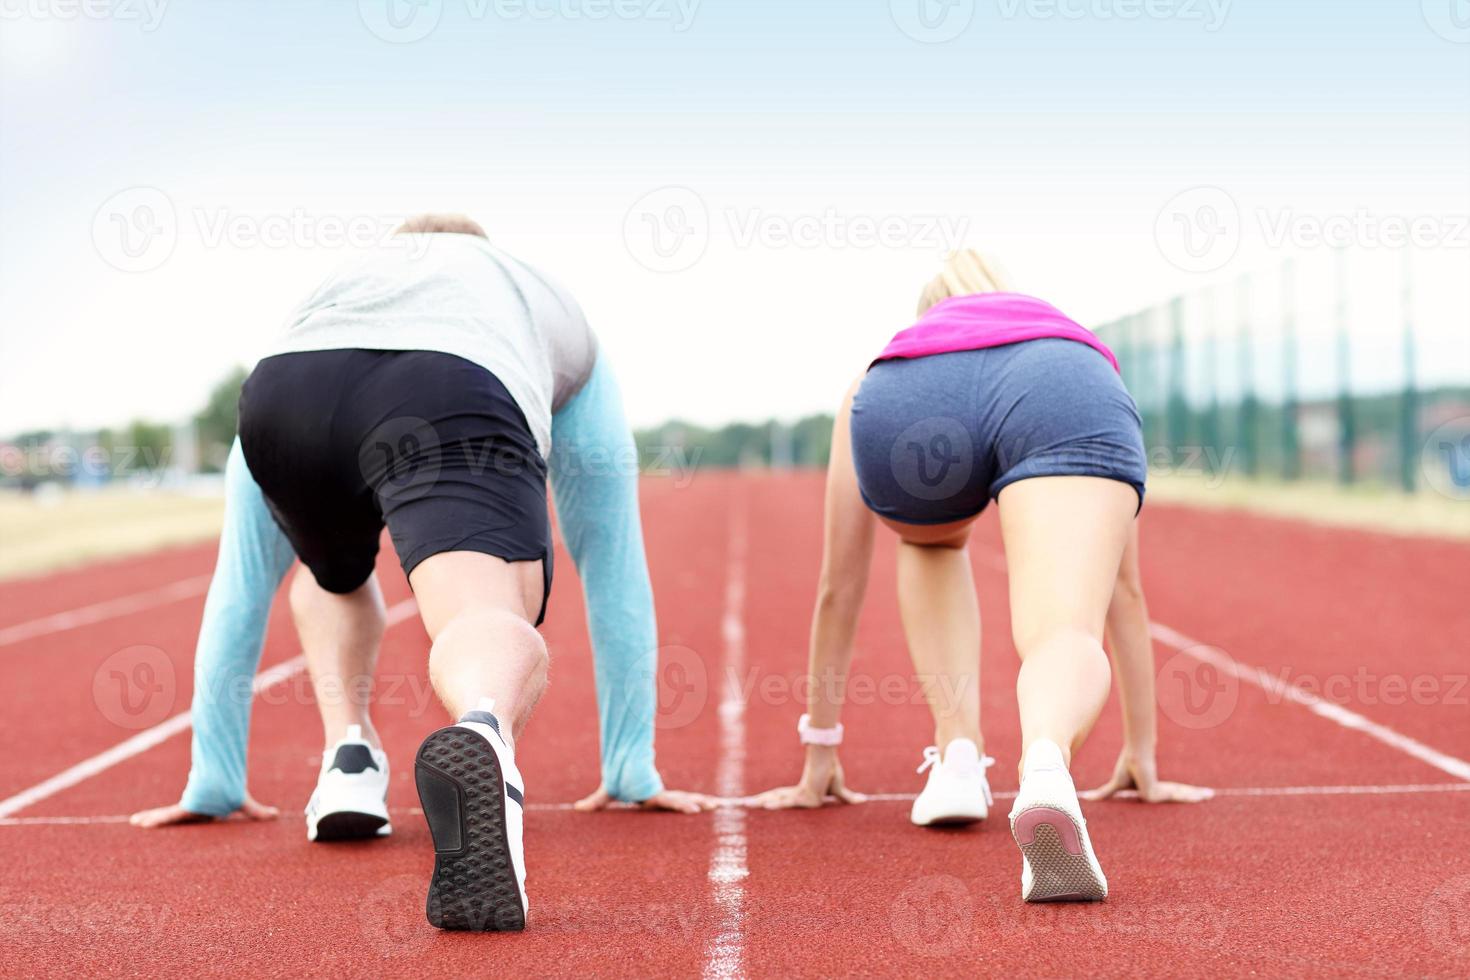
456	294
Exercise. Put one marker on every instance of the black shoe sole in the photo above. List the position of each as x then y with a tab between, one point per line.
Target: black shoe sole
462	791
348	825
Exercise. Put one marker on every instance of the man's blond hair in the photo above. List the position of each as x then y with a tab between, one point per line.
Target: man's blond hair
441	224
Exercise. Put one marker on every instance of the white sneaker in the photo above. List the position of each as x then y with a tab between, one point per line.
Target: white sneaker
958	791
1057	863
473	799
350	801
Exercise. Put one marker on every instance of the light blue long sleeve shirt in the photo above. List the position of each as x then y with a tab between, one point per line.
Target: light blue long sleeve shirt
594	474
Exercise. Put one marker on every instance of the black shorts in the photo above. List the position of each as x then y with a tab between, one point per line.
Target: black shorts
344	441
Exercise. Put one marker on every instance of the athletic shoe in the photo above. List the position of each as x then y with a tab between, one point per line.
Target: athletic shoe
957	791
473	799
1057	863
350	801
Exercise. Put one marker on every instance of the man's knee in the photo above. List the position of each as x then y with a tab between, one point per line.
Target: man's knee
510	629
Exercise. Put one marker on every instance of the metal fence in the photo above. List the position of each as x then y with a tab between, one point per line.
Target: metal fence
1351	366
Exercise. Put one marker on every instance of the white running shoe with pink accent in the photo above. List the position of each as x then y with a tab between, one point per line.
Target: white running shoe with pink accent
1057	862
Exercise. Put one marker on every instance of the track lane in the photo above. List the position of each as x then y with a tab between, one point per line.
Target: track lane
1287	885
600	900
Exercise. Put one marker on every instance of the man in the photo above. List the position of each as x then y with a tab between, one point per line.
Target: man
431	386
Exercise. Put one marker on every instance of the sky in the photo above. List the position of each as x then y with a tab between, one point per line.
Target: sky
745	196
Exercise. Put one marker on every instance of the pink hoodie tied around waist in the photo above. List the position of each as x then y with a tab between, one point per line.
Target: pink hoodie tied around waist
988	320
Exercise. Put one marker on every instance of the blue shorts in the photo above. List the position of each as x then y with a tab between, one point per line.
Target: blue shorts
935	439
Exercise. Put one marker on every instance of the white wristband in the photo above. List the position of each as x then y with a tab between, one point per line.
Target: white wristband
818	736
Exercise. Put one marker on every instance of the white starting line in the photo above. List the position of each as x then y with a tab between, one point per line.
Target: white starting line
1233	792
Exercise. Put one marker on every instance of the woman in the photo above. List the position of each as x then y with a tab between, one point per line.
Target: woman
994	395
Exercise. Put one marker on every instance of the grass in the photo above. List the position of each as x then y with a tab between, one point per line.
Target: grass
1423	514
48	531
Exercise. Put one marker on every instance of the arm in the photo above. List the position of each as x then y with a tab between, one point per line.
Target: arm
594	476
1131	646
847	550
253	558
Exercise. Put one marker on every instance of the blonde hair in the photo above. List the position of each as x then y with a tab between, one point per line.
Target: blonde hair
442	224
965	273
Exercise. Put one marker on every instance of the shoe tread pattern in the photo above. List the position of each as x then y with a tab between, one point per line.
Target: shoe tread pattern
474	885
1057	875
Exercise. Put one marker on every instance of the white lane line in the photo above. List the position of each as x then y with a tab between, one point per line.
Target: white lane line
1239	792
1256	792
727	865
111	609
162	732
1281	690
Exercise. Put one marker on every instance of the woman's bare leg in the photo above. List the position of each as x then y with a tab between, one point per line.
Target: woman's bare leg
1064	539
941	621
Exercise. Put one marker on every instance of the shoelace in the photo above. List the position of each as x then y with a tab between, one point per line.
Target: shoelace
933	757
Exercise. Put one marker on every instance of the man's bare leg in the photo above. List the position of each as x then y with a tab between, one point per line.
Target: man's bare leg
340	637
478	611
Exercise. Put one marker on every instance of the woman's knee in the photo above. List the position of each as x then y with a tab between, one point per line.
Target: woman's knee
1063	635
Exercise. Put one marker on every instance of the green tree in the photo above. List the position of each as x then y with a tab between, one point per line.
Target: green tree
216	423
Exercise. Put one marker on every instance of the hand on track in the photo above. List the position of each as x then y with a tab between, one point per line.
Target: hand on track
170	816
677	800
821	777
1140	772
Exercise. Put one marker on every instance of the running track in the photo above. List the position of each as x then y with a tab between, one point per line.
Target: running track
1337	847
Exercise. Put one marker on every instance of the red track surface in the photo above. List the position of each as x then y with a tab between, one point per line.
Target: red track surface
1314	883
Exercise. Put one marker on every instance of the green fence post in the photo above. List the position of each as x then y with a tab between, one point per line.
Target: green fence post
1409	409
1248	417
1347	426
1210	430
1291	443
1176	411
1148	370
